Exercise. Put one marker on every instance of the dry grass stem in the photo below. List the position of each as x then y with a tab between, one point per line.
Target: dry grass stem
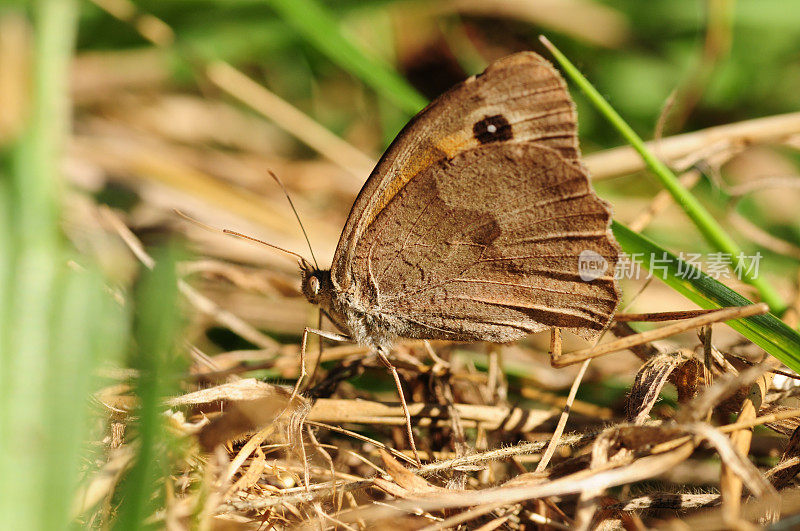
296	123
724	314
624	160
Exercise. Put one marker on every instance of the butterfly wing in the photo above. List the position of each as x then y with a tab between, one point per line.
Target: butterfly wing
472	224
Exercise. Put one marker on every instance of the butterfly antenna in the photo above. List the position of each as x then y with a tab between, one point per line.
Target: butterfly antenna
237	234
296	215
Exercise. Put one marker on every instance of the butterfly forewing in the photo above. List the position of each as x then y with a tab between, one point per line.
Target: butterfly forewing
520	94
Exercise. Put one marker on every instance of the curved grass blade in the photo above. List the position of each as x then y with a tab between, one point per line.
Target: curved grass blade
766	331
320	28
711	230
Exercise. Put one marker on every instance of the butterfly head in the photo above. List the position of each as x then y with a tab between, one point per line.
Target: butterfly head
316	283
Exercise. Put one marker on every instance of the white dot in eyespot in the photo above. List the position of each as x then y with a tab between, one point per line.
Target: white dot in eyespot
491	128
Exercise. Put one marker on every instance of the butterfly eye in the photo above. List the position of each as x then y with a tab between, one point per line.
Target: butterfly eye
313	283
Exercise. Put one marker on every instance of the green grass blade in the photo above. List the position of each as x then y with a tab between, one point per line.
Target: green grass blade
320	28
86	328
32	258
703	220
766	331
156	357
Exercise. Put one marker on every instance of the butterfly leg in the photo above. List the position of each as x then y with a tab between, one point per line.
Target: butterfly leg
303	344
393	370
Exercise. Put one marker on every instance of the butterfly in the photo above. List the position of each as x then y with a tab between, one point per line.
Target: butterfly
474	224
478	223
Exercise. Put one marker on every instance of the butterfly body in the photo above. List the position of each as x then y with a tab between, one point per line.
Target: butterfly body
472	225
364	324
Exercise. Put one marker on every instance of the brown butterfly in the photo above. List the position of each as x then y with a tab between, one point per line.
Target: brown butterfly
474	223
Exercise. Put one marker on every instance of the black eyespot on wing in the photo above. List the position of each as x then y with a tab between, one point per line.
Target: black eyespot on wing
492	129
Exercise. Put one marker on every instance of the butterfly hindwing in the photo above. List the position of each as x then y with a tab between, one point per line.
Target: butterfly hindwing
486	246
